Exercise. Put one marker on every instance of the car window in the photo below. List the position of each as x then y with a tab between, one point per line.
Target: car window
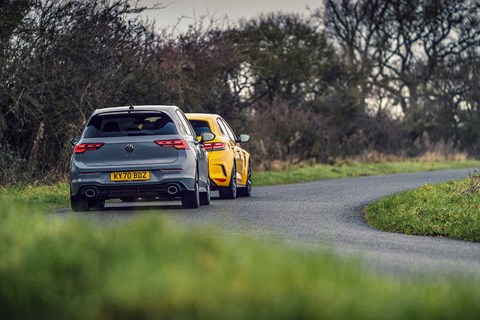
222	128
129	124
182	128
231	134
188	128
200	126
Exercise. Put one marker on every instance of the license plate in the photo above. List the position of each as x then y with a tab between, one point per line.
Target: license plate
130	176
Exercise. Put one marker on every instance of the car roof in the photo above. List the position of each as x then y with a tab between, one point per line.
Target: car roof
137	108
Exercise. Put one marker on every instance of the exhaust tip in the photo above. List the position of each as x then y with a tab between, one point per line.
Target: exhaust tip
90	192
172	190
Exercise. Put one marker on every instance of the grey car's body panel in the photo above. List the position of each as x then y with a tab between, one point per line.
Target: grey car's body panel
167	166
141	154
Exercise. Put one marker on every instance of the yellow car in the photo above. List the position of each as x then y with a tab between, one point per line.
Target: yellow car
229	164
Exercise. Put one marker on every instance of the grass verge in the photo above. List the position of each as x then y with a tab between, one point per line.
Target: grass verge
56	196
40	197
449	209
149	269
353	169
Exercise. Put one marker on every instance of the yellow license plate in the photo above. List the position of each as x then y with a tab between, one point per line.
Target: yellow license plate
130	176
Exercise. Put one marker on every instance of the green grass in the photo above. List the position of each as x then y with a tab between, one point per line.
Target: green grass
353	169
40	197
151	269
56	196
450	209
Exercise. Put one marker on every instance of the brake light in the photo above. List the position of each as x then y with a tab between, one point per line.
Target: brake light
212	146
177	144
82	147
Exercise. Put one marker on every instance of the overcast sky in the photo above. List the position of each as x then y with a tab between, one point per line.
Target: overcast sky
234	9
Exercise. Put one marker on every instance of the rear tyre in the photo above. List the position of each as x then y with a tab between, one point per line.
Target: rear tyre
230	192
96	204
191	199
79	203
205	196
247	190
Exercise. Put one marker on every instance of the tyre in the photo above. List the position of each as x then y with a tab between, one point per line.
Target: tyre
247	190
229	192
79	203
191	199
205	196
96	204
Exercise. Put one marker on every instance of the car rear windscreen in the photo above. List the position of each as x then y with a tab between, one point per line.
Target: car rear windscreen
130	124
200	126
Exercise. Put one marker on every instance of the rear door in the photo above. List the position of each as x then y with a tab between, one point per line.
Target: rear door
129	139
239	154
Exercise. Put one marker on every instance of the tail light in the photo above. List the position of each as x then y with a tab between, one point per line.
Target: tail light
82	147
212	146
177	144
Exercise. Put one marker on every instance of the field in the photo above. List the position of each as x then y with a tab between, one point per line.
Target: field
353	169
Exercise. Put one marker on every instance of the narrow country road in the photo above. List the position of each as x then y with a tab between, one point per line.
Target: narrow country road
327	214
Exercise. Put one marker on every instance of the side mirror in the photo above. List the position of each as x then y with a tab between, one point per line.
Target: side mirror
207	136
74	141
244	138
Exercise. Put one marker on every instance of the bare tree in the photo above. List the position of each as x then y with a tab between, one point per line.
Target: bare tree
403	46
60	60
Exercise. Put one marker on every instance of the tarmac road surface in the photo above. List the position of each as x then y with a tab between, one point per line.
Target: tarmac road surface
321	214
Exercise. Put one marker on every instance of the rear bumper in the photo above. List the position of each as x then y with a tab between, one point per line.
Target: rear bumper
220	168
160	179
132	190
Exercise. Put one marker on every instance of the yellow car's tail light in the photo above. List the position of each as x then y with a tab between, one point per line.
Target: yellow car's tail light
213	146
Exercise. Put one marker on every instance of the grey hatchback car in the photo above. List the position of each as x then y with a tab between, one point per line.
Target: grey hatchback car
139	152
